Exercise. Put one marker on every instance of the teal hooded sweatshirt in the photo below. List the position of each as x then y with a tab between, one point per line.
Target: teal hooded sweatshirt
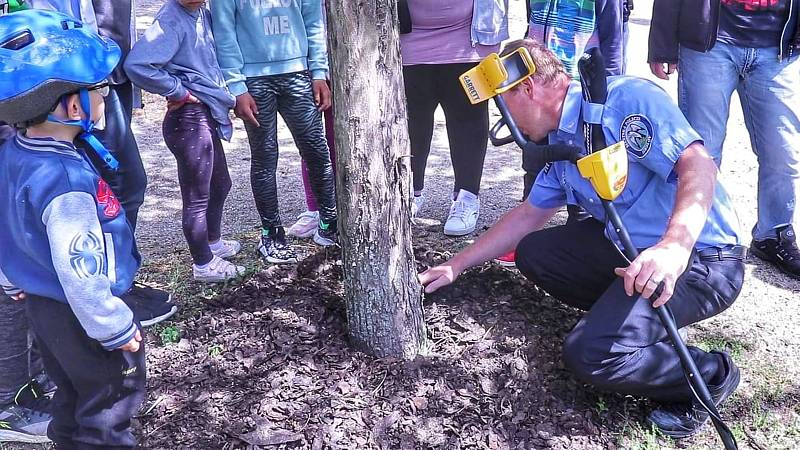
257	38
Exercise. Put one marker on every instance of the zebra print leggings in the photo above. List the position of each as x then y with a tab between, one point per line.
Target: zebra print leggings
292	96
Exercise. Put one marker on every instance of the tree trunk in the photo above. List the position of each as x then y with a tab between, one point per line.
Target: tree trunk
382	293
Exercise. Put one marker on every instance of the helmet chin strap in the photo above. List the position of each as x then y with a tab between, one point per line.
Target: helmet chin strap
87	125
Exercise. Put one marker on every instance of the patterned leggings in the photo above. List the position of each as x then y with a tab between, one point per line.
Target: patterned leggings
292	96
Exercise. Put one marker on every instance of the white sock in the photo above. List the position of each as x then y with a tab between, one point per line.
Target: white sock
216	246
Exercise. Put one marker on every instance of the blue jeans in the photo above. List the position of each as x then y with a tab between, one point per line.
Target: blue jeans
769	91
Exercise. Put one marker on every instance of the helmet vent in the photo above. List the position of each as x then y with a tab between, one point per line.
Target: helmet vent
70	24
18	41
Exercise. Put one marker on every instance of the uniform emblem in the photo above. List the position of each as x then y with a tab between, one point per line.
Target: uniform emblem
107	199
637	133
86	255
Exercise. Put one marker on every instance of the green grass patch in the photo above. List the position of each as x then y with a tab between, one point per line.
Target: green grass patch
713	341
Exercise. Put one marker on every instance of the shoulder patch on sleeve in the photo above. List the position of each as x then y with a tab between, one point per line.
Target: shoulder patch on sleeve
637	133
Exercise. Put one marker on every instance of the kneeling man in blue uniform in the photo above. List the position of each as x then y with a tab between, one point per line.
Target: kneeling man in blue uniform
677	214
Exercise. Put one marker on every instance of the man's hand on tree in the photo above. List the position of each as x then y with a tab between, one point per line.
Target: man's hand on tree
439	276
246	108
663	262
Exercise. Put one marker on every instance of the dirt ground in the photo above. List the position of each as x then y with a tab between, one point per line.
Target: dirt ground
265	362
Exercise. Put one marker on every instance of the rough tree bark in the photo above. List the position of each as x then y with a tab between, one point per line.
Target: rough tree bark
382	293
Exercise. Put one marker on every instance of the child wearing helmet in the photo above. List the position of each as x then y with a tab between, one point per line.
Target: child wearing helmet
177	59
66	242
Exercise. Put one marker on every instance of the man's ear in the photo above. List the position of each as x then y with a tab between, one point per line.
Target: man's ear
526	87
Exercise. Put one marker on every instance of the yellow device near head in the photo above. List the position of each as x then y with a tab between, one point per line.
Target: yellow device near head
495	75
607	170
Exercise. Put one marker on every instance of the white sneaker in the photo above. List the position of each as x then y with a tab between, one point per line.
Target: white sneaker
305	226
417	201
226	248
463	214
217	271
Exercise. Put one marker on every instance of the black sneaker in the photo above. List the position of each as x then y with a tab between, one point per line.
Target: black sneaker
274	248
681	420
327	234
149	305
782	252
27	417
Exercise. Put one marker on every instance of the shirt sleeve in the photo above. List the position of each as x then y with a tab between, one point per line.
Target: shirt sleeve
78	251
547	191
610	34
648	121
317	43
145	63
229	54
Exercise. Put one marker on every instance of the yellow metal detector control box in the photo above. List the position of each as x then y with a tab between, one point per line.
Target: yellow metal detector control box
607	170
495	75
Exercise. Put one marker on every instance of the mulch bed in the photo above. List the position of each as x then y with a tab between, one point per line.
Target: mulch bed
268	364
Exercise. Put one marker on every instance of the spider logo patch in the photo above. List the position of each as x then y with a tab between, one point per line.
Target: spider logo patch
86	255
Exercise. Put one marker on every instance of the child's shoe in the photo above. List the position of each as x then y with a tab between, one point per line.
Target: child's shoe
27	417
149	305
306	225
274	248
224	248
216	271
327	234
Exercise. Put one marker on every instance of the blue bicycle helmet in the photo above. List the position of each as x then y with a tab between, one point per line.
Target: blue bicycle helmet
45	55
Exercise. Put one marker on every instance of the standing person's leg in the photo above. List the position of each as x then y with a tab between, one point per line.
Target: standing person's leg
308	222
468	136
190	134
130	180
263	166
770	95
188	137
220	185
421	102
25	412
298	109
467	129
706	82
14	350
264	150
98	391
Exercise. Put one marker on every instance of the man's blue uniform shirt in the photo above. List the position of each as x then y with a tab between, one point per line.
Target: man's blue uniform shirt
655	133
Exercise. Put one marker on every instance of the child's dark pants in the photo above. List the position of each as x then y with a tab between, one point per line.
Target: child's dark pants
98	391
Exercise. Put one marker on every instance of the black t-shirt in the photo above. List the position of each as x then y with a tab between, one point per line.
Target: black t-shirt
752	23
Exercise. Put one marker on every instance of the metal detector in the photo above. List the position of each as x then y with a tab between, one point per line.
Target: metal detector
606	169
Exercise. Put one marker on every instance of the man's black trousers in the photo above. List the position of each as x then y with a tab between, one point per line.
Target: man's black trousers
98	391
620	344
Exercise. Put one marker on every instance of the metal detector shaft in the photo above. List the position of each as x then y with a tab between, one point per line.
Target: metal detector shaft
667	319
519	138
